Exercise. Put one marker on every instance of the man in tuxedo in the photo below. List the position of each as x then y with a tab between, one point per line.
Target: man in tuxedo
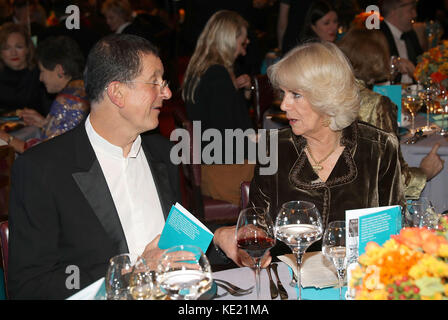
402	39
102	189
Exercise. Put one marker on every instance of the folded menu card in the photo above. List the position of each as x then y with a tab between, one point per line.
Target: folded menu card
317	271
181	227
371	224
393	92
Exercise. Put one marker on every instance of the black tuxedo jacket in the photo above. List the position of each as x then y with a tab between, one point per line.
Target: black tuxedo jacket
413	39
62	213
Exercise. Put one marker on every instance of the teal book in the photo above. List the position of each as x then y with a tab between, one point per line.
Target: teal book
393	92
181	227
371	224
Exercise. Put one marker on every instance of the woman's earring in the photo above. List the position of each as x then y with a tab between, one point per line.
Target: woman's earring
326	123
59	76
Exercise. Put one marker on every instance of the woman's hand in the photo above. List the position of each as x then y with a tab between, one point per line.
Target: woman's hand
225	239
243	81
32	117
432	164
406	67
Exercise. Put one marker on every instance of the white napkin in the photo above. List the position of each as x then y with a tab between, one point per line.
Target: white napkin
317	271
88	293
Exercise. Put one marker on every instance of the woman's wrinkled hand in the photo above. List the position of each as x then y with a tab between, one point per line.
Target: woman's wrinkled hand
152	253
432	164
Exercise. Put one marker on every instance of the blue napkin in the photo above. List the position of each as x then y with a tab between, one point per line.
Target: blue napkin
311	293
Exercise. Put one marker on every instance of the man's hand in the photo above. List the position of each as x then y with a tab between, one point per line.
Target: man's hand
152	253
432	164
225	239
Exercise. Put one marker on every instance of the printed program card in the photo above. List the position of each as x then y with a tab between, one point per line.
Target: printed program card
394	94
181	227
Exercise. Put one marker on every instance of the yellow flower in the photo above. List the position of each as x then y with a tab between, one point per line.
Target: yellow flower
443	251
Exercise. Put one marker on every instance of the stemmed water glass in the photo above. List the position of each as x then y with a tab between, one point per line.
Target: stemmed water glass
255	236
298	225
184	273
334	249
393	70
442	99
429	94
420	213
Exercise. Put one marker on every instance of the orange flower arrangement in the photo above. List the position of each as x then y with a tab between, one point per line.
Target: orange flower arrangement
433	65
411	265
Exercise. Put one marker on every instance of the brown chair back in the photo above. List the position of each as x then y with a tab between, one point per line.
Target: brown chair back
263	96
4	236
245	187
7	156
205	208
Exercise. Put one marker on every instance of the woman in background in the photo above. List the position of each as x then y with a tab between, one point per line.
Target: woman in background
321	22
61	65
19	76
216	96
369	54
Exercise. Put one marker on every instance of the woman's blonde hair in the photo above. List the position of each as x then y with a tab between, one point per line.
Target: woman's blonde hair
368	52
323	75
9	28
216	45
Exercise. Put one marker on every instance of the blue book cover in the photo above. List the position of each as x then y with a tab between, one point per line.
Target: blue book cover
371	224
393	92
181	227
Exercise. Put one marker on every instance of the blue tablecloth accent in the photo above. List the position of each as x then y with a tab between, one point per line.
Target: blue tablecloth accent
311	293
2	286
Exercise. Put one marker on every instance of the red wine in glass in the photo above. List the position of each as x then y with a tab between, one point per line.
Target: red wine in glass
256	247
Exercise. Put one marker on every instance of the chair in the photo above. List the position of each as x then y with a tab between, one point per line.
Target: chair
4	236
262	98
245	187
7	155
205	208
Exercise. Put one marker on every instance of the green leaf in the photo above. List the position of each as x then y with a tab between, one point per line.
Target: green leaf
429	286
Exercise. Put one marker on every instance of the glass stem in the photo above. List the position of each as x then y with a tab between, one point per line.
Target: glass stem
341	276
413	124
427	115
299	256
257	277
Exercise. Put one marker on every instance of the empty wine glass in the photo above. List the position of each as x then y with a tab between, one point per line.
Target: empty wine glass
429	93
334	249
393	70
119	273
184	273
420	213
255	236
442	99
298	225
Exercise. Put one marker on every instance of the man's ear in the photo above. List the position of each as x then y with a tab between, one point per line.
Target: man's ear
115	93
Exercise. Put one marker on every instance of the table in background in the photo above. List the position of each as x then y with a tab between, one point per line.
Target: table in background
437	188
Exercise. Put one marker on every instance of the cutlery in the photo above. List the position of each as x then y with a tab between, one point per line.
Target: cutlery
281	289
232	291
272	287
416	137
233	287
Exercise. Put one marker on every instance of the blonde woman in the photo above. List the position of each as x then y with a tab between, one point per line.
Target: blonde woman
215	96
327	156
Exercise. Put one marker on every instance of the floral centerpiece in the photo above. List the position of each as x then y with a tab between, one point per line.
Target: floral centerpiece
411	265
433	65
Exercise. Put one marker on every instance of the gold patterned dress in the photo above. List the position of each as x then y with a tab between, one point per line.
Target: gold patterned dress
381	112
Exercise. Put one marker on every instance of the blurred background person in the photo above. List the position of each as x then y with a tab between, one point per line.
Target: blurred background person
19	76
321	22
61	65
401	37
368	52
215	95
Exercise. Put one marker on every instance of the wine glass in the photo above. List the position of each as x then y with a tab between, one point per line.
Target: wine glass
442	99
119	274
420	213
393	70
413	102
255	236
298	225
334	249
141	282
429	93
184	273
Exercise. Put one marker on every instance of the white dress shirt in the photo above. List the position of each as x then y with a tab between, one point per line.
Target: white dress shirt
121	28
132	187
401	48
